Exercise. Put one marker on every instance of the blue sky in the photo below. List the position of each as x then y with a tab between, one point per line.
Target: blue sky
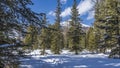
85	8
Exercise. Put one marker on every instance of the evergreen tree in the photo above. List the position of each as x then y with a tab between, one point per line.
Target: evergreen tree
108	14
84	37
2	38
99	15
99	8
75	29
44	39
57	36
14	15
31	37
113	17
92	42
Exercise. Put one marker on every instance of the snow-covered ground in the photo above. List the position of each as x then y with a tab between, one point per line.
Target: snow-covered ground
68	60
6	45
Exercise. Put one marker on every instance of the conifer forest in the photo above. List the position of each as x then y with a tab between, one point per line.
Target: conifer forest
60	40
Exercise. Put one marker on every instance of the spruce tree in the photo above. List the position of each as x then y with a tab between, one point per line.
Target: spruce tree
57	36
113	18
75	29
44	39
15	16
98	25
31	38
2	38
109	17
92	40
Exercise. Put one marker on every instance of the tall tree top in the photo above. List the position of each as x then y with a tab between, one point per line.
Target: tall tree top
75	3
58	12
75	14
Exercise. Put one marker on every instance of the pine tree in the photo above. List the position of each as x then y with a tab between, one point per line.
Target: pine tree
99	8
57	36
108	15
99	15
75	29
2	38
84	37
44	39
92	40
113	19
15	16
31	37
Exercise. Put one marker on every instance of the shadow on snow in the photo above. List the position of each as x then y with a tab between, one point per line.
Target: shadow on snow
69	62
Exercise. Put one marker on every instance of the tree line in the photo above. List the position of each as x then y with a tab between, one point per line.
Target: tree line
55	39
103	35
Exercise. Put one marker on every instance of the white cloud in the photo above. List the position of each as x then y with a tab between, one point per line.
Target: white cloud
52	13
91	15
63	1
83	7
66	12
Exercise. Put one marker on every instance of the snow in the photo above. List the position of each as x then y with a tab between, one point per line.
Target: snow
67	59
84	25
67	23
6	45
